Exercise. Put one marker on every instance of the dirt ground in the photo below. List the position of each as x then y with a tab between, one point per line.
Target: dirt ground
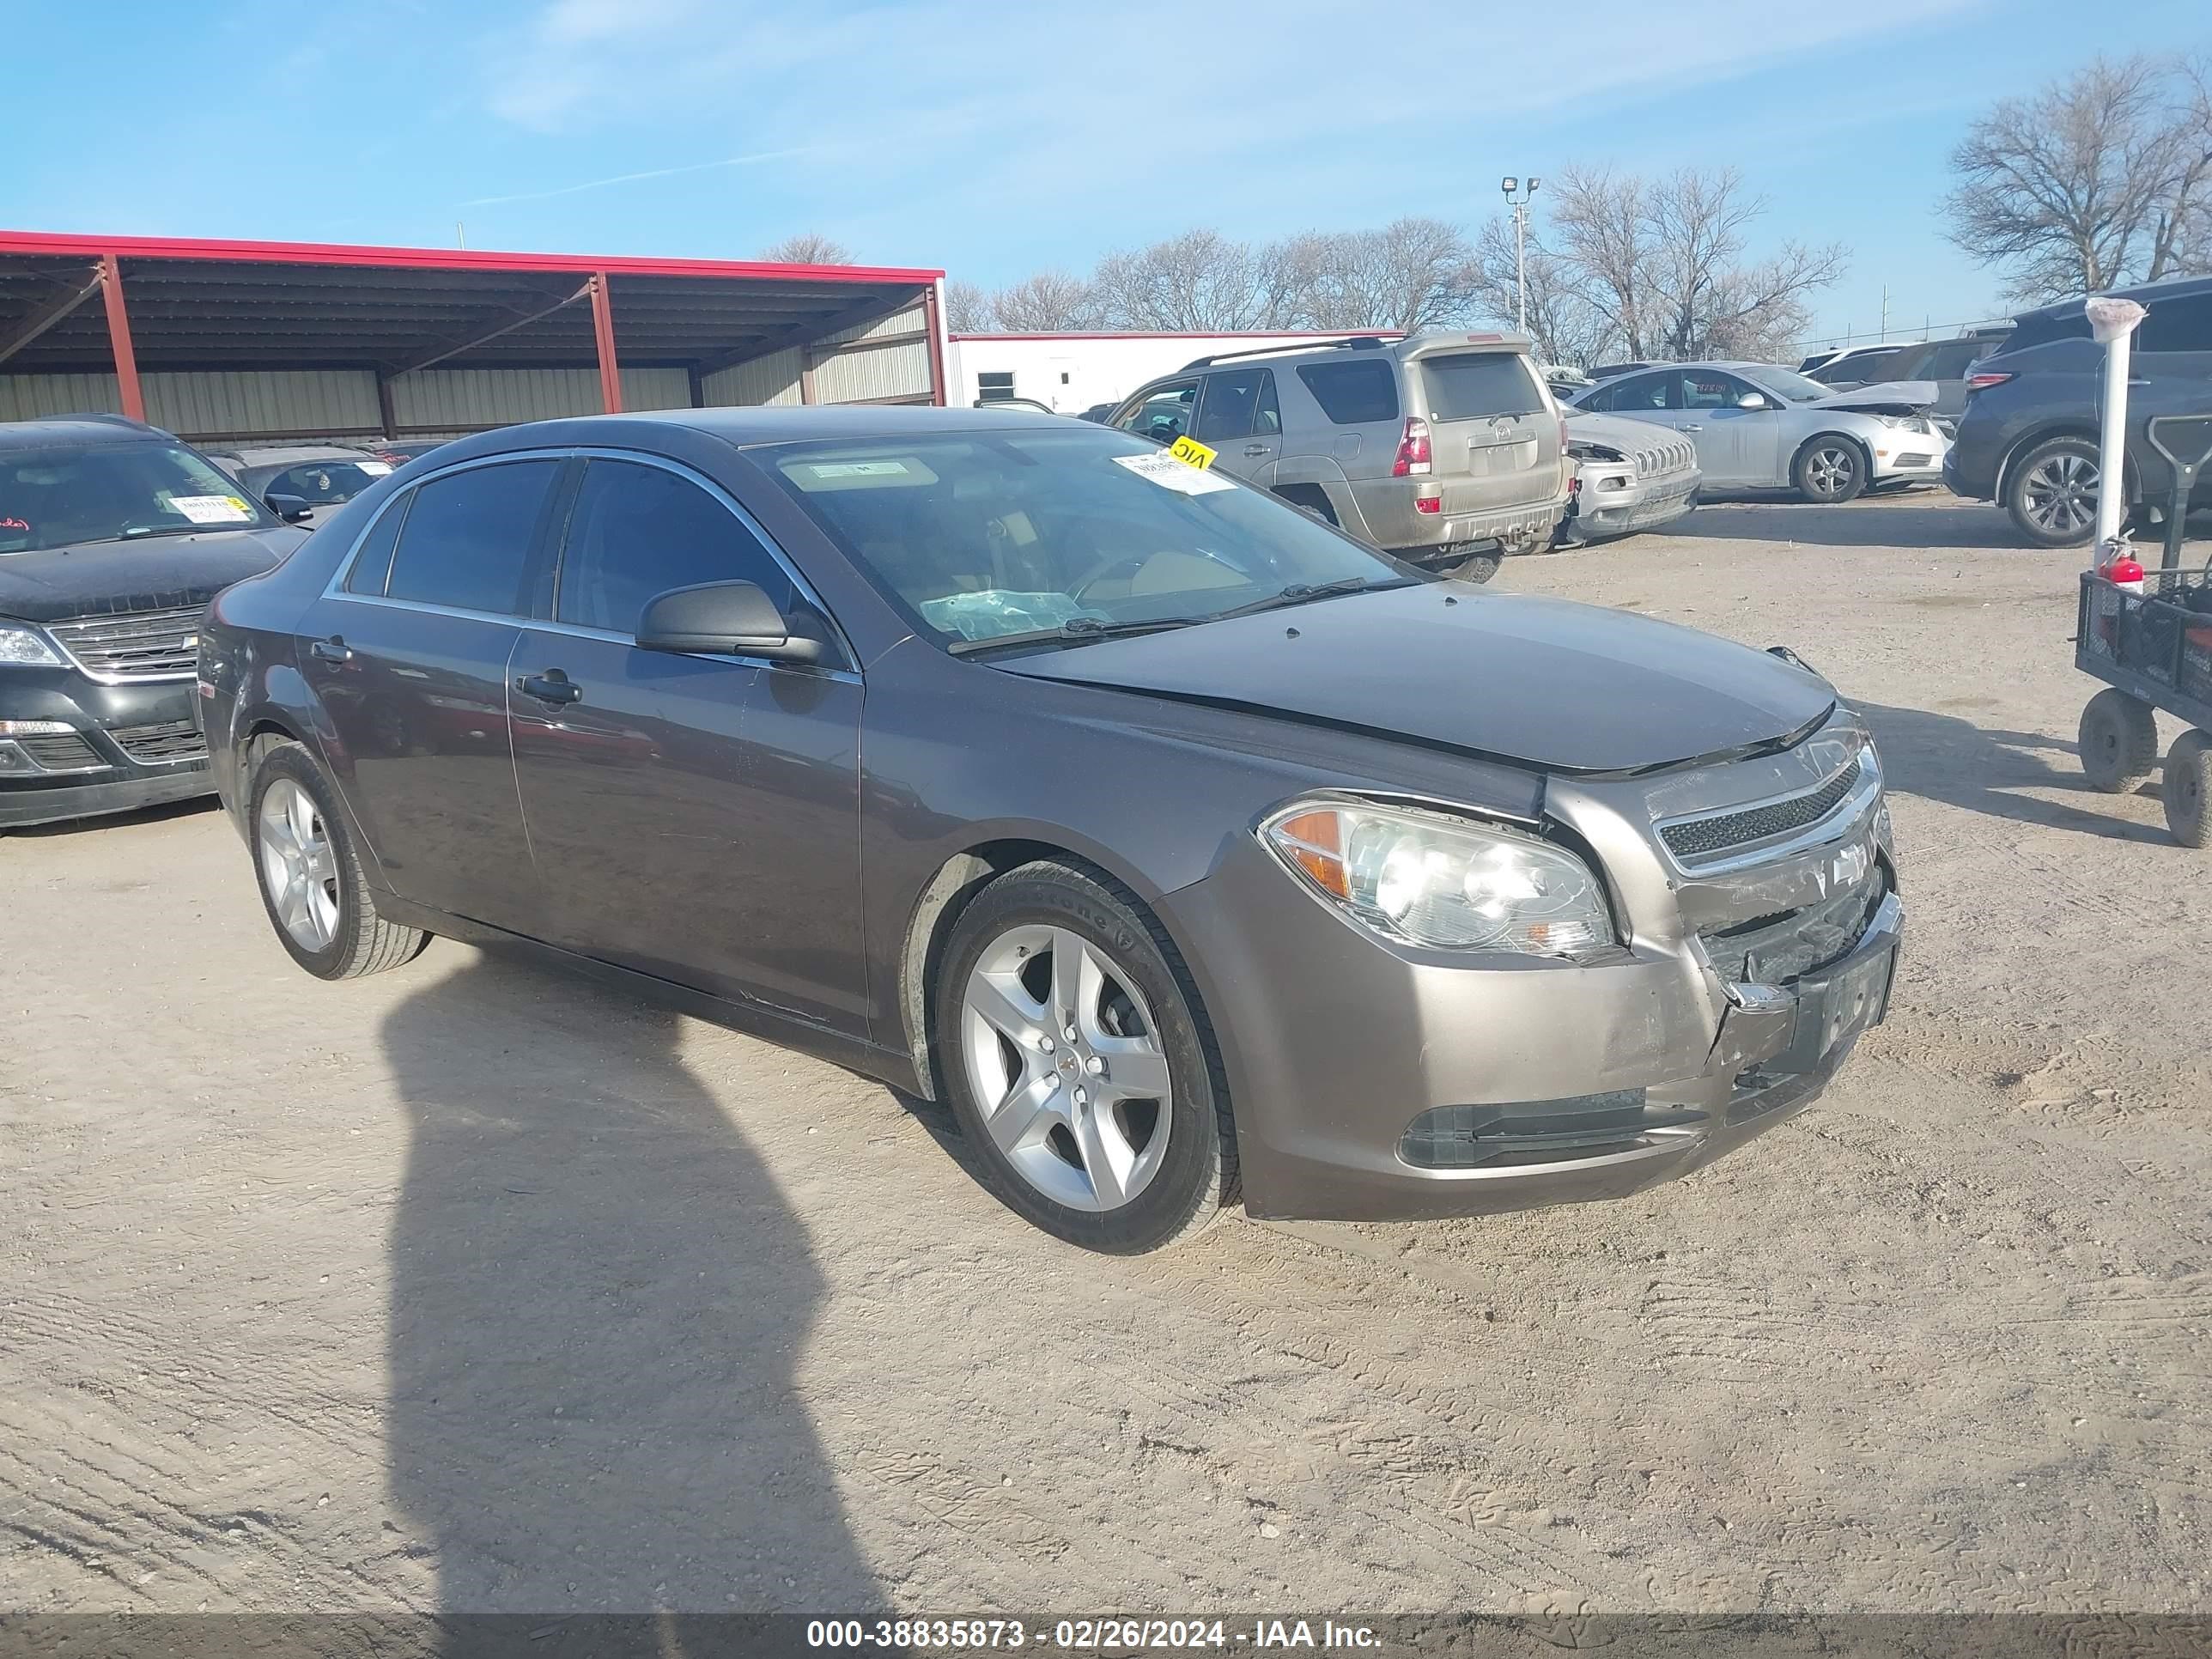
469	1287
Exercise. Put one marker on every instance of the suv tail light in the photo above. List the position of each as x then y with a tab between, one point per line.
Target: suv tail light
1414	453
1982	382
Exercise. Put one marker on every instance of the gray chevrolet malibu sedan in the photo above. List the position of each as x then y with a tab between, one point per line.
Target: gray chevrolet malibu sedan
1190	849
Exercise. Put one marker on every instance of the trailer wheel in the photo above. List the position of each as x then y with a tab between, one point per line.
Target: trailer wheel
2119	741
2188	777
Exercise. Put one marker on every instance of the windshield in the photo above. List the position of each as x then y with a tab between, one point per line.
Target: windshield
1784	384
993	534
116	492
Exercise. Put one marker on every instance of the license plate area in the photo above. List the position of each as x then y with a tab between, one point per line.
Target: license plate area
1834	1011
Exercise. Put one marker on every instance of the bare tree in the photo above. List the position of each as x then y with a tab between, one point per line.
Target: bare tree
1200	281
967	308
1566	327
1412	274
1048	303
809	247
2095	182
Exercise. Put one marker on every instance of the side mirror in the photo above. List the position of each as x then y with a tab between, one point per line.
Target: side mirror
1752	400
293	509
724	619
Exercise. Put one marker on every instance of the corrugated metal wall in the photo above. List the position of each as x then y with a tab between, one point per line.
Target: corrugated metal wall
899	371
505	397
230	403
770	379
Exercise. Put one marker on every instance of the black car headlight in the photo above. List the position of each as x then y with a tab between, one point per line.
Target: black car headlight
1447	883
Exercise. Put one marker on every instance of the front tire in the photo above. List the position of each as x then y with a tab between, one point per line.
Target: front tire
1830	471
310	877
1080	1064
2051	493
2188	780
2119	741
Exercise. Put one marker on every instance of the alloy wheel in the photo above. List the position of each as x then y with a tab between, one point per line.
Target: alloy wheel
297	865
1831	469
2059	494
1067	1066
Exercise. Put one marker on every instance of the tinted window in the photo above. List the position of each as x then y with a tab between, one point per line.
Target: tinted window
1163	414
373	564
468	537
1468	385
2177	326
983	536
1354	393
1861	368
1268	417
1233	400
117	492
1947	360
2034	331
636	532
321	483
1645	391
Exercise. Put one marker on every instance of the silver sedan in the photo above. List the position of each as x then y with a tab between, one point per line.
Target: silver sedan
1758	427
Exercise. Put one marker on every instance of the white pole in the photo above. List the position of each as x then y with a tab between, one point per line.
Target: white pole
2112	322
1520	261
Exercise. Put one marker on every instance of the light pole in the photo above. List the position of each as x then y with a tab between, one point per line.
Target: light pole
1521	241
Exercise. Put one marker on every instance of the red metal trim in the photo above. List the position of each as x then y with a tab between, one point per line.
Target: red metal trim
119	339
603	339
929	312
447	259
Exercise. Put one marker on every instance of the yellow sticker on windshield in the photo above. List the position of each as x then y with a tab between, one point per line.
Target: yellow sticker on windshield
1191	453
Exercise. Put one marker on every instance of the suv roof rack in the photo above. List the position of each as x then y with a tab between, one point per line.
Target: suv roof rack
1349	343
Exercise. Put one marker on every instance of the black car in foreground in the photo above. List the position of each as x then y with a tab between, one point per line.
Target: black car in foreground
114	536
2027	439
1190	848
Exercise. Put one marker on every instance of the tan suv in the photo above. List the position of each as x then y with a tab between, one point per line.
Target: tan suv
1445	449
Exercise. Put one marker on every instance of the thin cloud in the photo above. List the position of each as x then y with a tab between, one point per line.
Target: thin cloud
637	178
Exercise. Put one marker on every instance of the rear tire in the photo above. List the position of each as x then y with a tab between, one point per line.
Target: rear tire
2051	492
1059	1137
310	877
1478	567
2188	780
1830	471
2119	741
1310	498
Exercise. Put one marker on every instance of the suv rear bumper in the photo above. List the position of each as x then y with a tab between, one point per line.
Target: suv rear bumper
1387	504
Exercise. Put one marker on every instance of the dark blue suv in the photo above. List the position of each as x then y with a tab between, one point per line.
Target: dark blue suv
2028	439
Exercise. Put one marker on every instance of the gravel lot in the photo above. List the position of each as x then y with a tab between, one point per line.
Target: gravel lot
469	1287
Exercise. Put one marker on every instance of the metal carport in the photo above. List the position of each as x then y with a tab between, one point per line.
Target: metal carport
231	340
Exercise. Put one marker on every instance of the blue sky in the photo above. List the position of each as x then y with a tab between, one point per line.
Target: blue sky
994	139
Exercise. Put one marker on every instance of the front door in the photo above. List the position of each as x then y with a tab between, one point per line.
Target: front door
409	658
1241	421
693	817
1735	445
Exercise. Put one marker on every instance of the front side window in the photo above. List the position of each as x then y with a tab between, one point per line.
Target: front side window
1357	393
468	537
993	534
637	532
64	495
1702	388
1638	392
1162	414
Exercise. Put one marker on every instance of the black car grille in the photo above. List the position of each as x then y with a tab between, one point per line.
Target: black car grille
59	751
1699	838
1777	949
134	645
1541	1132
155	745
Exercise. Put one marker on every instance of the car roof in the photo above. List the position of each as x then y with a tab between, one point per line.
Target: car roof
767	424
56	430
281	455
2173	288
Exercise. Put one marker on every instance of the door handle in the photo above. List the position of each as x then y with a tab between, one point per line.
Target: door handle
1258	449
333	650
552	686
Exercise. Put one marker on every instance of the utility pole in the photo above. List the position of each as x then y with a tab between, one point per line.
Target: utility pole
1884	311
1520	243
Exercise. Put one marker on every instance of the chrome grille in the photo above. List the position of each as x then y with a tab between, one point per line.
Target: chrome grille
134	645
161	744
1693	839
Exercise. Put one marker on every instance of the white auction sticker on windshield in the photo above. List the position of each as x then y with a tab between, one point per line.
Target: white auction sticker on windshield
1164	470
213	509
374	469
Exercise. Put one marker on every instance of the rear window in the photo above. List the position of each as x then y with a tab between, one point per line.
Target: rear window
1355	393
2034	330
1470	385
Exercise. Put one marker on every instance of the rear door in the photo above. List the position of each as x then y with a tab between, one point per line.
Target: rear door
1493	427
407	655
1242	422
695	817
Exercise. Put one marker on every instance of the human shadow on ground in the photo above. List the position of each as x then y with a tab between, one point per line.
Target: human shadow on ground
1947	757
598	1299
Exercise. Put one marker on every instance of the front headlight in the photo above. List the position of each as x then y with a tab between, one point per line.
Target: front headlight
1448	882
26	648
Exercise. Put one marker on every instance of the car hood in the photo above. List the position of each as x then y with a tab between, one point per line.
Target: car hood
1545	683
153	574
1618	431
1884	398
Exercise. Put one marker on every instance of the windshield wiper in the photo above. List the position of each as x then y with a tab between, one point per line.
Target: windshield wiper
1076	629
1297	593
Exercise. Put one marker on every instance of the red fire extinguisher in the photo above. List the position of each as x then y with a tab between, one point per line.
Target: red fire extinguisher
2125	574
